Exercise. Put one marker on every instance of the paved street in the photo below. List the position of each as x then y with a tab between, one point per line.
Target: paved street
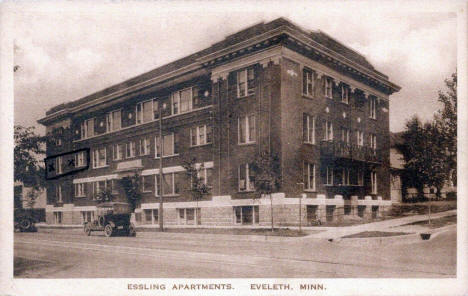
70	254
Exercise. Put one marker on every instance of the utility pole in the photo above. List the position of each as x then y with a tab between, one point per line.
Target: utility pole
160	211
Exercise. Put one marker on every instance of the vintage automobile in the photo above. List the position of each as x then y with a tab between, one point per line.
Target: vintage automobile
112	218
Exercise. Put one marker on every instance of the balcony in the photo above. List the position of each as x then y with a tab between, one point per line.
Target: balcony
338	149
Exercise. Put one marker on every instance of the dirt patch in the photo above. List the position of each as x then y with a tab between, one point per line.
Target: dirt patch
365	234
437	222
21	265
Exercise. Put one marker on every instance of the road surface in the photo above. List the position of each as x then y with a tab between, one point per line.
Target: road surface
71	254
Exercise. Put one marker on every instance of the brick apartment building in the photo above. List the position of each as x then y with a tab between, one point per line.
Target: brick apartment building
303	96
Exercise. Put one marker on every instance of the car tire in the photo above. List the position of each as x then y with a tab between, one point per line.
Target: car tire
108	231
26	224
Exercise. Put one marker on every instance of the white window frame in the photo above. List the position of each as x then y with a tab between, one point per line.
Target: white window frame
345	176
162	146
328	135
80	159
372	107
373	142
58	217
156	185
248	187
132	149
84	128
140	114
308	129
345	135
175	96
58	193
197	135
152	211
360	138
373	182
345	93
80	190
110	121
183	220
255	209
330	176
145	148
309	171
116	155
309	80
95	154
58	165
328	87
248	122
245	75
96	189
84	216
144	189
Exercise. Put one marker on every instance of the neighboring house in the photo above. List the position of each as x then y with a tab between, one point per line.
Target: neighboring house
401	187
317	104
21	200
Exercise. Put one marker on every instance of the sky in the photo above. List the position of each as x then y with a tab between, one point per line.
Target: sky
68	50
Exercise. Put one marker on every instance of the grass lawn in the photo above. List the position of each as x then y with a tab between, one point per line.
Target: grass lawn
365	234
408	209
436	223
238	231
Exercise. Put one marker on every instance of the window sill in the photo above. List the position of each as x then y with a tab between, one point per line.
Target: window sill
100	167
306	96
310	190
168	195
309	143
373	118
81	196
167	156
247	144
344	103
246	191
196	146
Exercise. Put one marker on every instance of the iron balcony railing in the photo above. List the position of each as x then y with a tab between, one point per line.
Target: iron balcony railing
339	149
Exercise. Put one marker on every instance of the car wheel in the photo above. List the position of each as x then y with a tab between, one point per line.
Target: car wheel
108	230
87	230
25	224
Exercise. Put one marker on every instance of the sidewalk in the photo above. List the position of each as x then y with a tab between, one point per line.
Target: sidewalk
386	225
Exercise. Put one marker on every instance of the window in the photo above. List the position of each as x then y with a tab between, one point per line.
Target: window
114	121
329	180
200	135
169	146
98	187
206	175
245	82
80	190
373	107
189	216
58	193
80	159
130	149
246	129
307	82
311	214
328	87
356	176
151	216
58	164
171	184
373	182
145	146
148	183
360	138
58	141
58	217
345	176
118	151
87	216
328	135
99	158
345	135
246	178
347	210
329	213
246	215
182	101
373	142
308	128
145	112
114	189
87	128
309	176
344	93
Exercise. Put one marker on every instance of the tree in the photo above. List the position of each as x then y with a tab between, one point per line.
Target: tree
446	119
424	155
198	186
132	188
105	195
29	148
267	177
